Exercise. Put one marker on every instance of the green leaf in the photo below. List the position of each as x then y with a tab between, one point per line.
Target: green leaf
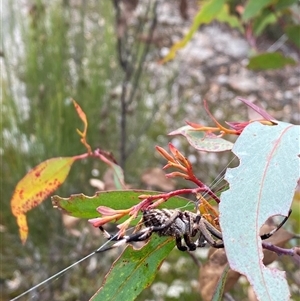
269	60
117	170
261	22
254	7
80	205
225	17
263	185
282	4
134	270
206	14
219	291
293	32
202	141
118	176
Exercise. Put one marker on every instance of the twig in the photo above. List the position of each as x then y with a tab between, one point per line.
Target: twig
294	252
132	66
195	259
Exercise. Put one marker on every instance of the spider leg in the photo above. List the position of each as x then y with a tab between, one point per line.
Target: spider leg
267	235
208	231
201	242
191	245
108	235
190	233
141	235
179	244
214	231
123	240
187	238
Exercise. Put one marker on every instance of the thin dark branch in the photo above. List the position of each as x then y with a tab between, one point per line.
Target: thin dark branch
128	58
137	78
122	62
146	51
139	30
123	122
195	259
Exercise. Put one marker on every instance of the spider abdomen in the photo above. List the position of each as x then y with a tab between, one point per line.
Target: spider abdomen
181	224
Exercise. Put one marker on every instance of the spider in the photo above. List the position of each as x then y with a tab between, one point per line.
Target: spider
183	225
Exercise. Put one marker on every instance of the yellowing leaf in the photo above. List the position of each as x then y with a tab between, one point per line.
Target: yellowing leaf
23	227
36	186
207	13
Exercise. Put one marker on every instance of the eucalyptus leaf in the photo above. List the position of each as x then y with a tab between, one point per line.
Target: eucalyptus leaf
82	206
261	186
202	141
133	271
269	60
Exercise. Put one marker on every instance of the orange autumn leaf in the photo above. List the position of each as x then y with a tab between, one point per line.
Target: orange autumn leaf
82	116
36	186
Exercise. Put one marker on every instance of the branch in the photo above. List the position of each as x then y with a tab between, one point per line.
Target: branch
294	252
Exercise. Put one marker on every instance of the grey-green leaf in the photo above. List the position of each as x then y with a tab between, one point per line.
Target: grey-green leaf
261	186
203	141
